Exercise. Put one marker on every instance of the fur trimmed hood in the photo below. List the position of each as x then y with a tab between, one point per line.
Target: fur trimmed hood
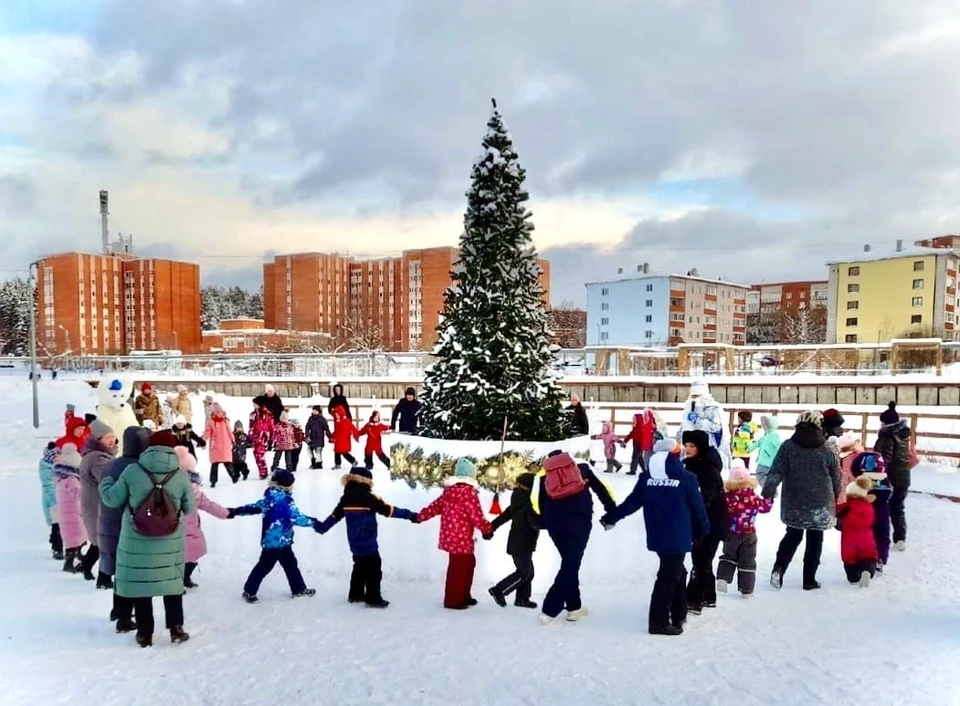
742	484
860	488
354	478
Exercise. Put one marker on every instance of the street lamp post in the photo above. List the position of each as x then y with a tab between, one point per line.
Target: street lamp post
32	282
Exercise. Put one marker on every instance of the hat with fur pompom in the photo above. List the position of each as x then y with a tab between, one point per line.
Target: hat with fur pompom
738	470
847	442
860	488
187	461
69	456
890	415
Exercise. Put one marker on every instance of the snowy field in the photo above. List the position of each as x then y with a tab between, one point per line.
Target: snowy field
895	643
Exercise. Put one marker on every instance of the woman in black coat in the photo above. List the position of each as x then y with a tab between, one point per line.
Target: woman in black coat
579	421
704	461
338	399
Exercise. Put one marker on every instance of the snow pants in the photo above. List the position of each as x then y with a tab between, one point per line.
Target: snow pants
898	515
460	568
570	538
613	465
853	571
365	579
881	527
668	603
260	457
269	559
638	459
337	459
368	460
520	580
702	589
740	556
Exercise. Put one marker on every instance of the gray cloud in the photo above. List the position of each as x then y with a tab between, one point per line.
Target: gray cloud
830	114
18	195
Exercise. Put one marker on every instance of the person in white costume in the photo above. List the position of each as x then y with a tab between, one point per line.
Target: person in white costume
115	409
701	411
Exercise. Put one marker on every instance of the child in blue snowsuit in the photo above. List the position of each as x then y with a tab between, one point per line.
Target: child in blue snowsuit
280	516
48	498
360	507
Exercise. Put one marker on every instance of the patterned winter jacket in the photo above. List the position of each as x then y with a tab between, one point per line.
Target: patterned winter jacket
240	445
261	427
68	506
280	516
460	514
283	438
743	506
360	507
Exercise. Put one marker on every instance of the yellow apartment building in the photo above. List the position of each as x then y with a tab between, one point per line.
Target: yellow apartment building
904	294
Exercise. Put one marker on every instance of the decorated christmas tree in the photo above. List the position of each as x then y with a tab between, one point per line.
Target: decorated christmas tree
493	356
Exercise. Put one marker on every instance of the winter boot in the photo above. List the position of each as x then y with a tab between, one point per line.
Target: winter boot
471	602
810	582
57	555
177	635
305	593
125	625
144	640
901	545
575	615
524	603
498	597
378	604
670	630
188	575
776	578
250	597
864	581
88	561
104	581
70	561
721	586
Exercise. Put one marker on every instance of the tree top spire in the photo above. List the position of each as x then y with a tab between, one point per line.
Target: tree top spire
494	101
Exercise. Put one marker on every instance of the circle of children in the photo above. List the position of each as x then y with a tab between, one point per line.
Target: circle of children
136	499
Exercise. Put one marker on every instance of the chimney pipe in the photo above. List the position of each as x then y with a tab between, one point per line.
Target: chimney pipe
866	248
899	246
619	270
104	230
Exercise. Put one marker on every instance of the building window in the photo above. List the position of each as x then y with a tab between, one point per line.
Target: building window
916	319
853	271
853	288
604	336
604	291
918	266
648	319
649	287
853	305
648	334
604	306
852	322
604	321
649	302
917	301
850	338
918	284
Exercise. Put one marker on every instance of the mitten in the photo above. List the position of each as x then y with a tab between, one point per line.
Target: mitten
415	520
691	416
231	513
487	537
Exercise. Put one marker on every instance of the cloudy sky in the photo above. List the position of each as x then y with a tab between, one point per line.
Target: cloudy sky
752	140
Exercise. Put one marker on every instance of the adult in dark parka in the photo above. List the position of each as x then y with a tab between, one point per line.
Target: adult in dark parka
568	522
272	402
811	485
579	420
704	462
893	443
407	412
135	442
338	399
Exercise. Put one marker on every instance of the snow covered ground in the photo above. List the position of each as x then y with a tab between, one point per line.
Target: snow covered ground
895	643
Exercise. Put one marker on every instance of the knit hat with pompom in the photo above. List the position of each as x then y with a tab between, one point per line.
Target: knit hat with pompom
890	415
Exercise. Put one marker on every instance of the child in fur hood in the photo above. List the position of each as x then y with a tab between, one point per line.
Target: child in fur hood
610	441
196	542
460	514
360	507
740	547
858	548
280	516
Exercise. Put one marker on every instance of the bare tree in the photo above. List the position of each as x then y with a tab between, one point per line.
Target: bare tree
567	325
360	333
805	325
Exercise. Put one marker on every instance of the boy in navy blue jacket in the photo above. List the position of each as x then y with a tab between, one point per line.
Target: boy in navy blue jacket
360	507
674	516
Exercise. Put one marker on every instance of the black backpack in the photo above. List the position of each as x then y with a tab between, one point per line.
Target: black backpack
156	516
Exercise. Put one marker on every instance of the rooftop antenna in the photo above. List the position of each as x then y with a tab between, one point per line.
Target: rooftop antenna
104	230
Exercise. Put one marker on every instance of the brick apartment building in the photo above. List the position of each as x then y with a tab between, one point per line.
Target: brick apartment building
396	300
240	336
787	296
97	304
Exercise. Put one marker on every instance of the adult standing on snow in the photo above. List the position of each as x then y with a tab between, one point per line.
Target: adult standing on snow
702	412
180	405
273	402
580	421
98	452
147	405
151	566
135	442
811	486
338	399
894	444
704	462
407	412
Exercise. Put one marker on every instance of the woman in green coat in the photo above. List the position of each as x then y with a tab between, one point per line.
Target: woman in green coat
151	566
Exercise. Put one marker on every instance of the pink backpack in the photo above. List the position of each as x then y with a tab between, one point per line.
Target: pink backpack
563	477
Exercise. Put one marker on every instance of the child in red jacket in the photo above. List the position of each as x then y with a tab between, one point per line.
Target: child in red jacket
643	435
460	514
374	429
858	546
343	435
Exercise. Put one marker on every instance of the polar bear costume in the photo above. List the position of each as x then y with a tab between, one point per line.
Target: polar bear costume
701	411
114	409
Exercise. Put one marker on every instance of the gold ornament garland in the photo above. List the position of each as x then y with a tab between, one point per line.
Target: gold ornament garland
411	465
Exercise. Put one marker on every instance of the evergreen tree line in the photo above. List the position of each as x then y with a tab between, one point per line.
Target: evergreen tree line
219	303
15	317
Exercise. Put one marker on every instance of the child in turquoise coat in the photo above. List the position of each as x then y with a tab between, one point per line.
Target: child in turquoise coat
766	446
48	499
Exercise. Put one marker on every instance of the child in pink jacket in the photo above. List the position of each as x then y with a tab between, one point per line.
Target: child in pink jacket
66	470
196	543
460	514
610	441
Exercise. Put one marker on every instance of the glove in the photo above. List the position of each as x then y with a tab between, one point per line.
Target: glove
316	526
231	513
415	520
606	523
487	537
